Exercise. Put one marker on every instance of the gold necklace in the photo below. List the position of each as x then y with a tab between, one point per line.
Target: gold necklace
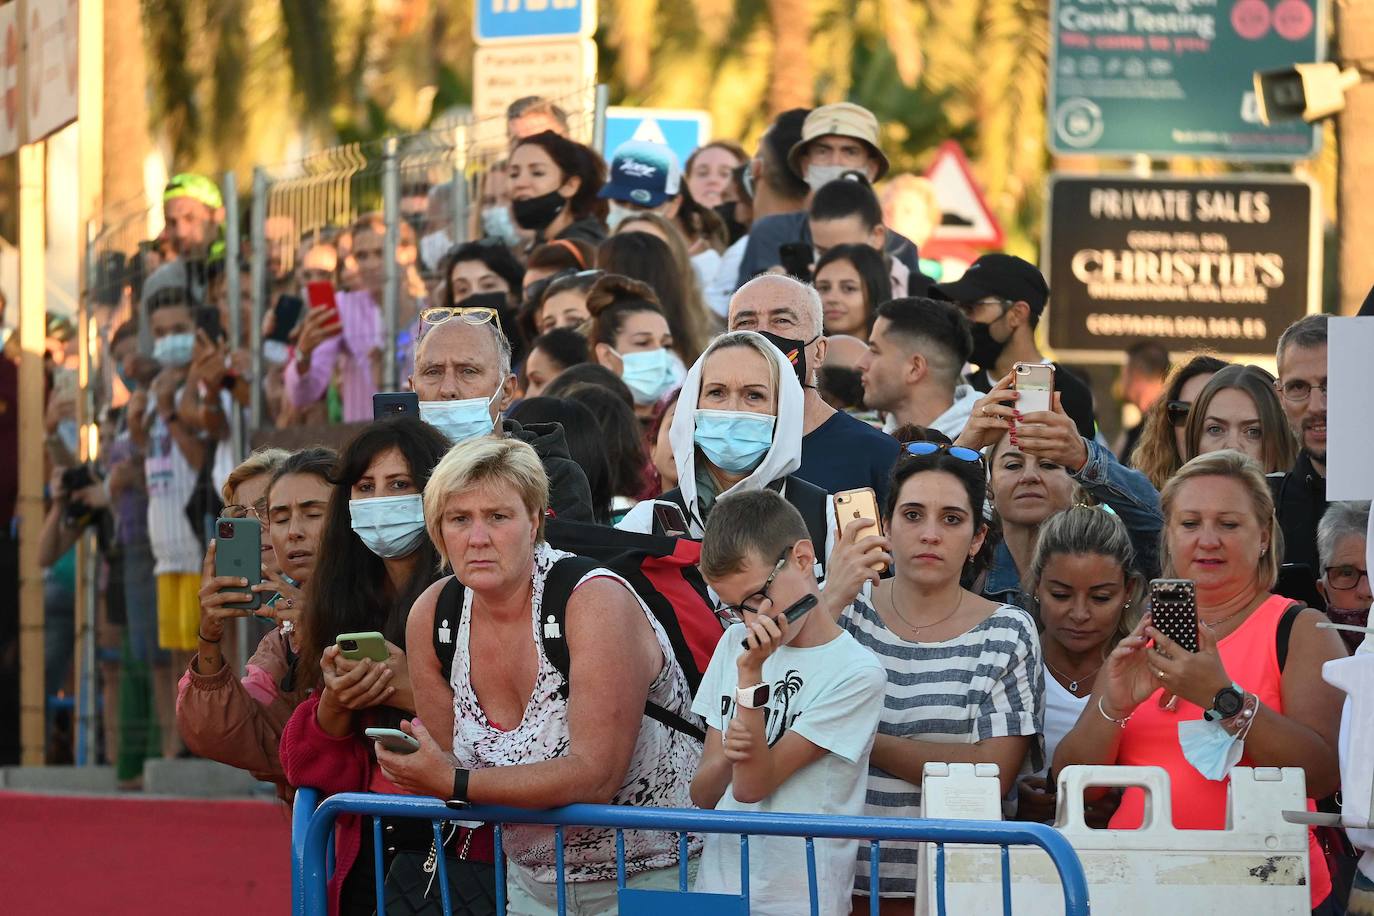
1073	682
892	602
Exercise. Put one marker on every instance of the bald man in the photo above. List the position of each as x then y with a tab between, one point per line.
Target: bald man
838	451
463	377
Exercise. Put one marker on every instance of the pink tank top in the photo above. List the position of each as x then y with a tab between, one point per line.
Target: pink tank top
1250	655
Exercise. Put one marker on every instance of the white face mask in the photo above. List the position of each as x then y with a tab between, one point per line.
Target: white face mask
433	247
460	420
817	176
618	214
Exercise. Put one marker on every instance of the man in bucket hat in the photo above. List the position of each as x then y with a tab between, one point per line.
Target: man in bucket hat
835	139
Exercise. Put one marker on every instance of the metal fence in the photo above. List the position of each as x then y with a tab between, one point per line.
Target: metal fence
312	861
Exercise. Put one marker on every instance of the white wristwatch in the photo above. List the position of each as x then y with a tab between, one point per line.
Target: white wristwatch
754	697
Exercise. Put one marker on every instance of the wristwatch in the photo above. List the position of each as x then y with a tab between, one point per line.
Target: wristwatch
754	697
1227	703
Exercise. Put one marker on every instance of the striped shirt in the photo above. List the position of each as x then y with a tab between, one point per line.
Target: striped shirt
984	683
355	352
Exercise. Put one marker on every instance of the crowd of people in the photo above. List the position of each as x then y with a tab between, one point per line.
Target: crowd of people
703	354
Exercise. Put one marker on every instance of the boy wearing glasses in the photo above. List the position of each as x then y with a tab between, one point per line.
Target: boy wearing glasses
791	708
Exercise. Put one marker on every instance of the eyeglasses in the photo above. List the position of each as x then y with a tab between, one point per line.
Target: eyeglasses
1345	577
734	613
472	314
237	510
920	449
1298	391
1177	412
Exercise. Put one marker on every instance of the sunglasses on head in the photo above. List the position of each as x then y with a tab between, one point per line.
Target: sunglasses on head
1177	411
920	449
470	315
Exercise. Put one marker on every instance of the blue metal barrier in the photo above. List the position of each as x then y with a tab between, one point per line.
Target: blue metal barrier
311	852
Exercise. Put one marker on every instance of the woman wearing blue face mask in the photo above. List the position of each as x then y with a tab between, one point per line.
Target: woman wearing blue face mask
744	433
629	335
374	560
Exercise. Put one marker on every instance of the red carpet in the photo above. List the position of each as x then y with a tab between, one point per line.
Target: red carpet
97	854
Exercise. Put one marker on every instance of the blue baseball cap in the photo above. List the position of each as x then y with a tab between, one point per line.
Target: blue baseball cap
643	173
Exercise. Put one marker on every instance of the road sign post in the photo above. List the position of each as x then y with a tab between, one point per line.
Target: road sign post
681	130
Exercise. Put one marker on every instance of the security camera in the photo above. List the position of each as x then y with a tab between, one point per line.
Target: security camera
1307	91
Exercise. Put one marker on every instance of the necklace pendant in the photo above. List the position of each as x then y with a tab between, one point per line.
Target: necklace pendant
1073	686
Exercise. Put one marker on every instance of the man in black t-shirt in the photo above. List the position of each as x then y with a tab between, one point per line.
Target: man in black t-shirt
1004	297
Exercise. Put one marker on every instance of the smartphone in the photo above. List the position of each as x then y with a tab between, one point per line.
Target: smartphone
357	646
794	613
285	315
1173	610
320	294
796	259
395	404
394	740
860	503
1034	386
669	520
238	553
207	320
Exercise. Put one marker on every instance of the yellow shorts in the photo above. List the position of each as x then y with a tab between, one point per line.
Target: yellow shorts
178	610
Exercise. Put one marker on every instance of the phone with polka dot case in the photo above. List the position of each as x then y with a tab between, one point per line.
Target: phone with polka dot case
1173	610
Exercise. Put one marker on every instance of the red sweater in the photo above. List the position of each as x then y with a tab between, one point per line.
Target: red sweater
313	758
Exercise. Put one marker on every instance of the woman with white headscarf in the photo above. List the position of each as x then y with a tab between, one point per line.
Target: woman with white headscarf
744	433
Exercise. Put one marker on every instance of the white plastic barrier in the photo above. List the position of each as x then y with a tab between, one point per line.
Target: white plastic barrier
1258	866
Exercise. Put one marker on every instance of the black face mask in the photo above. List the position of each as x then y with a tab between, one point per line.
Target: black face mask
795	351
733	227
986	349
535	213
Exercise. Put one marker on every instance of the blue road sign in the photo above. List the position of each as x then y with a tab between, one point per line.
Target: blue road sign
523	20
681	129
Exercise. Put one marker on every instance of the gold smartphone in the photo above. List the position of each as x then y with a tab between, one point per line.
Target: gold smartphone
860	503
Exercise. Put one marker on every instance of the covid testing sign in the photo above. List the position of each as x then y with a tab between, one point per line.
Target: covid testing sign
1225	264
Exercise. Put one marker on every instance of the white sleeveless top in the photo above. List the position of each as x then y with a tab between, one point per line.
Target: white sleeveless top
660	773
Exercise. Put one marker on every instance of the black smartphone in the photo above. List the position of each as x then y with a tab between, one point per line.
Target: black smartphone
207	320
796	259
285	315
395	404
794	613
1173	610
669	520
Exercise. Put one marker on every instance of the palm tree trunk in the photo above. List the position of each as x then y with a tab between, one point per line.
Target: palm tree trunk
126	104
792	85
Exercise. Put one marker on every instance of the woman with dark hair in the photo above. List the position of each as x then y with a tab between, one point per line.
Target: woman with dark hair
964	681
556	257
585	444
622	438
554	183
484	269
1239	409
551	353
1159	450
563	303
646	258
375	559
698	268
594	375
853	281
629	334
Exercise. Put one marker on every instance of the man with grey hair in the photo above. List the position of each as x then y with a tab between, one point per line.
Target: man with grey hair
1344	579
463	378
1300	494
839	452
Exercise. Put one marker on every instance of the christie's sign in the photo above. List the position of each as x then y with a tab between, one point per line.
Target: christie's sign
1220	263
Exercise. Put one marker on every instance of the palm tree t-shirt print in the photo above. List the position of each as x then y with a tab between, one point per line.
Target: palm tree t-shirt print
779	715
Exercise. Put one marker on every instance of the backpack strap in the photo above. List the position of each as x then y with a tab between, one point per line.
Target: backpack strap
562	579
810	500
1285	630
448	610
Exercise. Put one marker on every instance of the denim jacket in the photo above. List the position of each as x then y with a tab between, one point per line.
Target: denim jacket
1125	491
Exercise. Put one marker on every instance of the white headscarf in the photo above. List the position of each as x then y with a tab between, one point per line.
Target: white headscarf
783	456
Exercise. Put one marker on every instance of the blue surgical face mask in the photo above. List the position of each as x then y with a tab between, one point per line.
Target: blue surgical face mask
498	224
733	440
390	526
649	374
460	420
1209	747
174	349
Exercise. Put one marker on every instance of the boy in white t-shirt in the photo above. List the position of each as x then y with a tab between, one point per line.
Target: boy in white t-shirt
791	719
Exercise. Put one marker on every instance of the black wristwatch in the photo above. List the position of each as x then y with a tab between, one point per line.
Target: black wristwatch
1225	704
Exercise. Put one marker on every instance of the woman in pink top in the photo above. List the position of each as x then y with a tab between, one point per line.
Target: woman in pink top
1219	531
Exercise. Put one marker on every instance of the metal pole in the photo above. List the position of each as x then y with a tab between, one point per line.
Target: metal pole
460	184
603	100
391	213
233	277
258	277
86	559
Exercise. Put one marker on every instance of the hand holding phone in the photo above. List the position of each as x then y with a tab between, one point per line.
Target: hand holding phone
796	258
238	554
394	740
1034	387
860	504
793	614
358	646
1173	610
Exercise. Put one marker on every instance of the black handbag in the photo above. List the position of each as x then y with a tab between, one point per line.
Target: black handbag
412	887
